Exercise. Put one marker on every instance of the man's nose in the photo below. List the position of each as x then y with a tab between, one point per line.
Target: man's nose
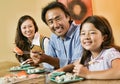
56	24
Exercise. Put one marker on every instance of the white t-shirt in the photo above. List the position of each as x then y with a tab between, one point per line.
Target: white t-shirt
36	41
104	60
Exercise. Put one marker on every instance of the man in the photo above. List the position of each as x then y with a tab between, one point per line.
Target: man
64	46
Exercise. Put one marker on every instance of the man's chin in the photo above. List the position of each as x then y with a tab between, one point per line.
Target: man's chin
58	34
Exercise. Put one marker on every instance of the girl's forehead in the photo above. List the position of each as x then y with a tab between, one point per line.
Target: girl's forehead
88	26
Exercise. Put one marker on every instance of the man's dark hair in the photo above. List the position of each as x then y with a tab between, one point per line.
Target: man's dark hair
53	5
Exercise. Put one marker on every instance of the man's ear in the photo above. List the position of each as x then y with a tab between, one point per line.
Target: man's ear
68	17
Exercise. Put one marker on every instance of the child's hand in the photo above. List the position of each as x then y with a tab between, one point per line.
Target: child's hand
80	70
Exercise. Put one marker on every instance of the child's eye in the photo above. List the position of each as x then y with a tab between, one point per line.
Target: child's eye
92	32
82	33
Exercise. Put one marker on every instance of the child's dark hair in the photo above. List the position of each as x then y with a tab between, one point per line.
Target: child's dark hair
104	27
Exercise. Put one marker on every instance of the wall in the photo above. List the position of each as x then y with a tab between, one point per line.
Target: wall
12	10
111	10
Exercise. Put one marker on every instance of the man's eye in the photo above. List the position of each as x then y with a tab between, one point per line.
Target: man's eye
50	22
58	19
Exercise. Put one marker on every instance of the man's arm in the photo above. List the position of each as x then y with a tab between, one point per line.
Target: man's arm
54	61
45	58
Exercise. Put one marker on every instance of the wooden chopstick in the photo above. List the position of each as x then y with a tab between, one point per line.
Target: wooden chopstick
89	63
28	52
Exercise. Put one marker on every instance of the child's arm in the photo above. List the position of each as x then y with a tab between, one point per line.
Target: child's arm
112	73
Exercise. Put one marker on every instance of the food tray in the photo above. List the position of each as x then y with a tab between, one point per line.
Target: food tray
54	75
22	67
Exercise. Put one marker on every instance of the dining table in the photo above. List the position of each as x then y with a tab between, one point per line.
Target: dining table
43	79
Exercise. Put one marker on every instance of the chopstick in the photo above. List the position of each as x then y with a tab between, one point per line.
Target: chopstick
24	52
28	52
24	62
89	63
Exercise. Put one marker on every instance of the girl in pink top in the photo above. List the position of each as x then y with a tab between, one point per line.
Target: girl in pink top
101	57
